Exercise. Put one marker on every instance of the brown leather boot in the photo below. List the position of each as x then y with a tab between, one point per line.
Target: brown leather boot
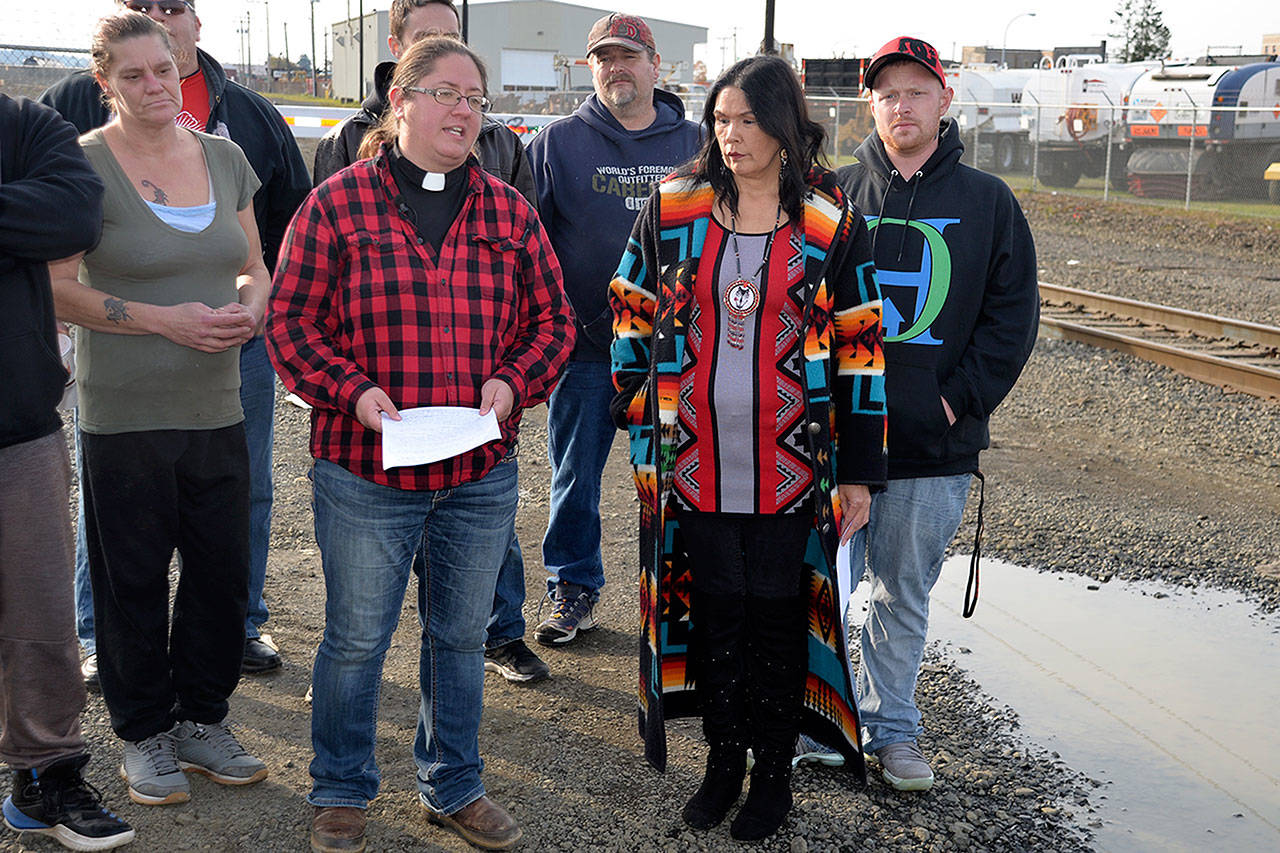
482	822
337	829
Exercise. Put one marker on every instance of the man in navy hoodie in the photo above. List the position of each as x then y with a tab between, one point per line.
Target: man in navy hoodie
593	171
214	104
957	270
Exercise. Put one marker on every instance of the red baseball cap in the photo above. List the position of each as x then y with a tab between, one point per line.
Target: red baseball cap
905	47
626	31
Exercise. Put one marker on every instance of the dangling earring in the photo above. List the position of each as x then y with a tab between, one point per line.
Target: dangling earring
782	164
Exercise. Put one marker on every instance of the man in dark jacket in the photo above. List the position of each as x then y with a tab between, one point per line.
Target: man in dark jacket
957	271
594	171
500	151
50	208
214	104
501	154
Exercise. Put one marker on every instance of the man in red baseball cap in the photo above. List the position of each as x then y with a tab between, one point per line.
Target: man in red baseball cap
957	270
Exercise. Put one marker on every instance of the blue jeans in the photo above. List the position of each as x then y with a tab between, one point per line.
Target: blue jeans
912	523
258	399
579	435
368	535
506	622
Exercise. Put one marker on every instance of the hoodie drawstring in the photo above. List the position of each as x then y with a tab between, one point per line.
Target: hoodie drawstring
883	200
911	202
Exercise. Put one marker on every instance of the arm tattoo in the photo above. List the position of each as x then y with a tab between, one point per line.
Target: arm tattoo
117	310
160	198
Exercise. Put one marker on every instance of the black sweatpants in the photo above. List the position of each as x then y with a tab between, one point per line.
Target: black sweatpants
145	494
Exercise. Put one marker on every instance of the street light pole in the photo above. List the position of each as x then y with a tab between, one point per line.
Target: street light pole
315	88
1005	43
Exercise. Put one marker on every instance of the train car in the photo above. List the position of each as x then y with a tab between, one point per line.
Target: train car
986	109
1072	109
1171	125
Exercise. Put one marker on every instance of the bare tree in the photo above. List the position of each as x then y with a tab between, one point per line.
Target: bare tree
1142	32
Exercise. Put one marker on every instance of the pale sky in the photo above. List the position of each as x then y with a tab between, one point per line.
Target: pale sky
818	28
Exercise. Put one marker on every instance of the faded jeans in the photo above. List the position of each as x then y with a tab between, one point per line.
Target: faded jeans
912	523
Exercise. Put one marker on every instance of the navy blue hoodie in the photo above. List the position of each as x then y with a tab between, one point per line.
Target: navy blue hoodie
593	176
957	271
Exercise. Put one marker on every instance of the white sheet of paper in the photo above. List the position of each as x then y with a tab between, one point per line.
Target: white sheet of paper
432	433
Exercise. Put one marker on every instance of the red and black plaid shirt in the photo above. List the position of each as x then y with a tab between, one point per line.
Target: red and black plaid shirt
360	300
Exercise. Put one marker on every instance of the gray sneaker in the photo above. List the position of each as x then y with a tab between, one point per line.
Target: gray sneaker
572	612
904	767
151	768
809	750
211	749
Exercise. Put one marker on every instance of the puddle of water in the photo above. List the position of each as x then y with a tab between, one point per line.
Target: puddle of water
1168	696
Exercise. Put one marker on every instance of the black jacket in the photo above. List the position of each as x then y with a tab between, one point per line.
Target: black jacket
500	151
50	208
237	113
957	272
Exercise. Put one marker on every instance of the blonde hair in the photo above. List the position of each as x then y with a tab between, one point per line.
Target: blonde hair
418	61
113	29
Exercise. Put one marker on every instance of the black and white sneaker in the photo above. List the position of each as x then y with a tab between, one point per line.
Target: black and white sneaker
516	662
59	803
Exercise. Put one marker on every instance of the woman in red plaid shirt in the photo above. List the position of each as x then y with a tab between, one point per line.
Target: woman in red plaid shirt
413	279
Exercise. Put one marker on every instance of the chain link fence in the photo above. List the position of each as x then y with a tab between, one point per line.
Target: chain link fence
26	71
1213	156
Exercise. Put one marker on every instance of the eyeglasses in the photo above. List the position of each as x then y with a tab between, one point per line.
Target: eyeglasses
451	98
168	8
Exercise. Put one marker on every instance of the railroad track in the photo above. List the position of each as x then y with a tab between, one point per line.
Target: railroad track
1234	354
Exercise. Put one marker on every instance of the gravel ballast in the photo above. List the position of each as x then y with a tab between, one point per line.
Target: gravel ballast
1100	464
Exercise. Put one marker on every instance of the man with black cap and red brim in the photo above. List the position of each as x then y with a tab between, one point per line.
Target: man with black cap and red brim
593	171
957	270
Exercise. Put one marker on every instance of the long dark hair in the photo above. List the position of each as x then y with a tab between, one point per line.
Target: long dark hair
773	91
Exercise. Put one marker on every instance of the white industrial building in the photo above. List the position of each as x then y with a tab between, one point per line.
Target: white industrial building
531	47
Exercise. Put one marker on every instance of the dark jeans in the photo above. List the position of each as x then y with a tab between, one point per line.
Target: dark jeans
739	555
147	493
749	616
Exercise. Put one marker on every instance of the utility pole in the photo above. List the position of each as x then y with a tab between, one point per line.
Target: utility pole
768	45
362	91
288	66
248	37
266	9
315	86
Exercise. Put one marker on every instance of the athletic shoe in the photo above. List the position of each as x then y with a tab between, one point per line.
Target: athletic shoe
89	672
573	611
808	749
211	749
151	768
516	662
904	767
59	803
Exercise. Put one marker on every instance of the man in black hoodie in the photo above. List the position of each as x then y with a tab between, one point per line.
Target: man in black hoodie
500	151
214	104
50	208
957	271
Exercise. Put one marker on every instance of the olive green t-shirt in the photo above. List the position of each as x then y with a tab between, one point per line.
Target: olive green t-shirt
131	383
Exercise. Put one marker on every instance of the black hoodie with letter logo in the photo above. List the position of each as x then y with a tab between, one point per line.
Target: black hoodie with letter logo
957	272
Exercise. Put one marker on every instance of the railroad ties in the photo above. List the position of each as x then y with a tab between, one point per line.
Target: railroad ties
1234	354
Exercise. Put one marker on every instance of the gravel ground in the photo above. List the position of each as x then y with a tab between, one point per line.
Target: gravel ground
1100	464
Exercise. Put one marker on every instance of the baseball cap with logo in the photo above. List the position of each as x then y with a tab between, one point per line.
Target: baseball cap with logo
623	30
905	47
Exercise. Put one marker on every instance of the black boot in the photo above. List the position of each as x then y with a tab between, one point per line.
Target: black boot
58	802
718	623
777	662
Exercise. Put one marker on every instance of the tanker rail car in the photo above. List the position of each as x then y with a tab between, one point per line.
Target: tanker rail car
1221	117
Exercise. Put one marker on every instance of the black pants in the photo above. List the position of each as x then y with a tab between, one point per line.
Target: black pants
145	494
749	621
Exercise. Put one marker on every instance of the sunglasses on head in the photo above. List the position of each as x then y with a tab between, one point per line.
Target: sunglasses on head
168	8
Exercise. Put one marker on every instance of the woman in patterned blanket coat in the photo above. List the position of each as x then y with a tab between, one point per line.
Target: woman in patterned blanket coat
748	357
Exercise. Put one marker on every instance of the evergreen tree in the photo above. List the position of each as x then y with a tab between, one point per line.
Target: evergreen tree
1141	30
